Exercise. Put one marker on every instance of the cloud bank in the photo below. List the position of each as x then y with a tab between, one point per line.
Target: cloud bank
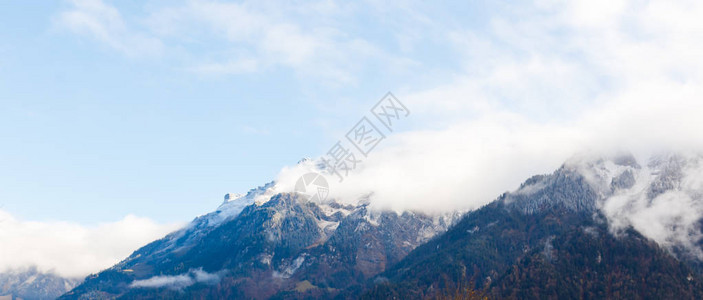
70	249
544	82
535	83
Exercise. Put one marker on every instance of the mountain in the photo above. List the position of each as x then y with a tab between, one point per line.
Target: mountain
264	245
571	234
30	284
598	227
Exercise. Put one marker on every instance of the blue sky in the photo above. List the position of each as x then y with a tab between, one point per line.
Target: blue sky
158	108
120	121
120	115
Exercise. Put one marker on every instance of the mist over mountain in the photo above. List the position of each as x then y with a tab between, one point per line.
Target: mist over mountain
30	283
266	244
544	149
555	237
562	235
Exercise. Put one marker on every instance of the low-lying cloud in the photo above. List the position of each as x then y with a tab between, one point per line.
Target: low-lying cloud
666	204
178	281
545	81
70	249
539	82
626	80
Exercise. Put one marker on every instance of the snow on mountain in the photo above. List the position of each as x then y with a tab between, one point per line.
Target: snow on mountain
235	203
663	199
553	237
664	202
267	242
30	283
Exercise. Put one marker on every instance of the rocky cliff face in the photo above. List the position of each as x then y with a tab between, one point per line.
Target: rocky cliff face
285	246
596	227
592	229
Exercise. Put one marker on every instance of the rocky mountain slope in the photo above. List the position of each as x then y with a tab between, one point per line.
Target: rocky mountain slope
564	235
595	228
281	247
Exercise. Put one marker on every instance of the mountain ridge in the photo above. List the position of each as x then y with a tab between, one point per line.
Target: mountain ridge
268	248
562	225
517	246
31	283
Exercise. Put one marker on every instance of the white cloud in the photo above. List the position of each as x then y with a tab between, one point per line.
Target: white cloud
539	82
104	23
463	166
242	37
173	282
178	281
542	83
257	36
670	218
70	249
